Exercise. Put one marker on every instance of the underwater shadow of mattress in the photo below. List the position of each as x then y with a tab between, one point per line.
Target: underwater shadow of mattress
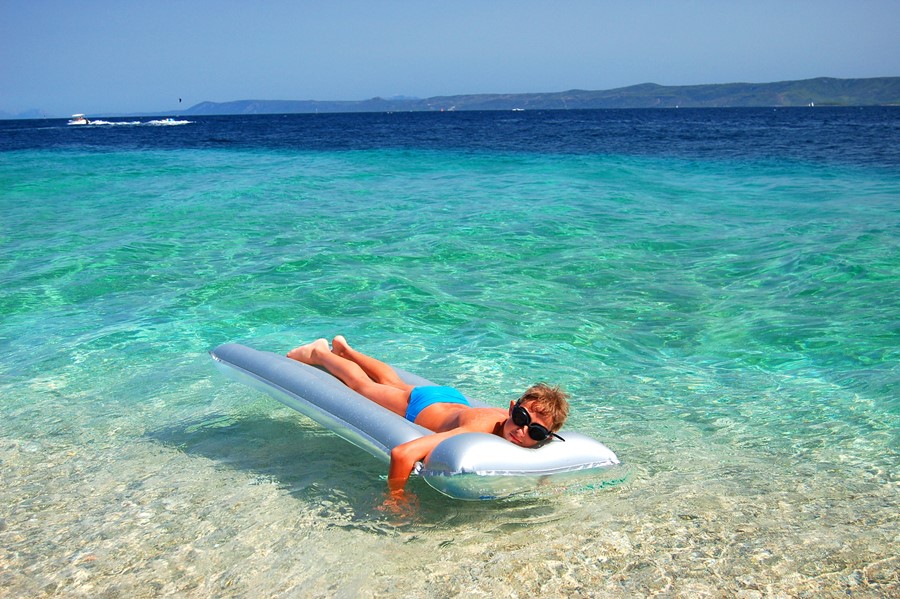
319	468
286	451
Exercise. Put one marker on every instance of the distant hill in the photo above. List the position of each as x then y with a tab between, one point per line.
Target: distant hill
34	113
823	91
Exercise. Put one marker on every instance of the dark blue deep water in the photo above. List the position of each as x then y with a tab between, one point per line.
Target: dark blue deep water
867	136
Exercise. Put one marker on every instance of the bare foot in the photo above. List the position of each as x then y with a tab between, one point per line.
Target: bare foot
339	346
304	353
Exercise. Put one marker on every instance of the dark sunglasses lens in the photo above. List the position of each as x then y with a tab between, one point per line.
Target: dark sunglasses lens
520	416
538	432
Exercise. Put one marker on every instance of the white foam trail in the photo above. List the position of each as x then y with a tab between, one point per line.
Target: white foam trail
166	122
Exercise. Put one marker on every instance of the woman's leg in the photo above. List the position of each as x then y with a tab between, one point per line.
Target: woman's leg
377	370
394	398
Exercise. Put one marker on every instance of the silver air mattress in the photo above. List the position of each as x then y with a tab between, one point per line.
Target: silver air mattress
467	466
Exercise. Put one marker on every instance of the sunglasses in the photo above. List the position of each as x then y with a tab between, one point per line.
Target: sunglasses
537	432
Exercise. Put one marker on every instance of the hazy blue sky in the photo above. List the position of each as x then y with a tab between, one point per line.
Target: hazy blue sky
101	56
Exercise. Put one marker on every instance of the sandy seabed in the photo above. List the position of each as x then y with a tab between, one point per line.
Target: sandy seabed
213	510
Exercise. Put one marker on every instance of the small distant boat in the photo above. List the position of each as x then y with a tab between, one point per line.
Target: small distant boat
78	119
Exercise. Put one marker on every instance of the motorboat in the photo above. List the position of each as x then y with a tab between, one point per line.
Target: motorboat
78	119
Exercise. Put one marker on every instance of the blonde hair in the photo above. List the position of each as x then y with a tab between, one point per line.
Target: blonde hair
549	402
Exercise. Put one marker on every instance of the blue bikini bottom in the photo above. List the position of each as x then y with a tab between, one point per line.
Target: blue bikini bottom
422	397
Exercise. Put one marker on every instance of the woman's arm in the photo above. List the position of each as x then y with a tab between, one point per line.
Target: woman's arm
405	456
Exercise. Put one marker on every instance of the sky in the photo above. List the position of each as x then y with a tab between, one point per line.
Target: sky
134	56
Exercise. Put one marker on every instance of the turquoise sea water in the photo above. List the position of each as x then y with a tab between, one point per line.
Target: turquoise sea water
728	325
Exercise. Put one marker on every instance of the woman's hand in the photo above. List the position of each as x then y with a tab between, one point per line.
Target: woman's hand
400	503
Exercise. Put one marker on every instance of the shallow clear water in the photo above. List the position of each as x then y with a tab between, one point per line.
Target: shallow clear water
722	309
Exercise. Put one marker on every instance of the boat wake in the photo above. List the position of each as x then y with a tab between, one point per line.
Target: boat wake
112	123
166	122
80	121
